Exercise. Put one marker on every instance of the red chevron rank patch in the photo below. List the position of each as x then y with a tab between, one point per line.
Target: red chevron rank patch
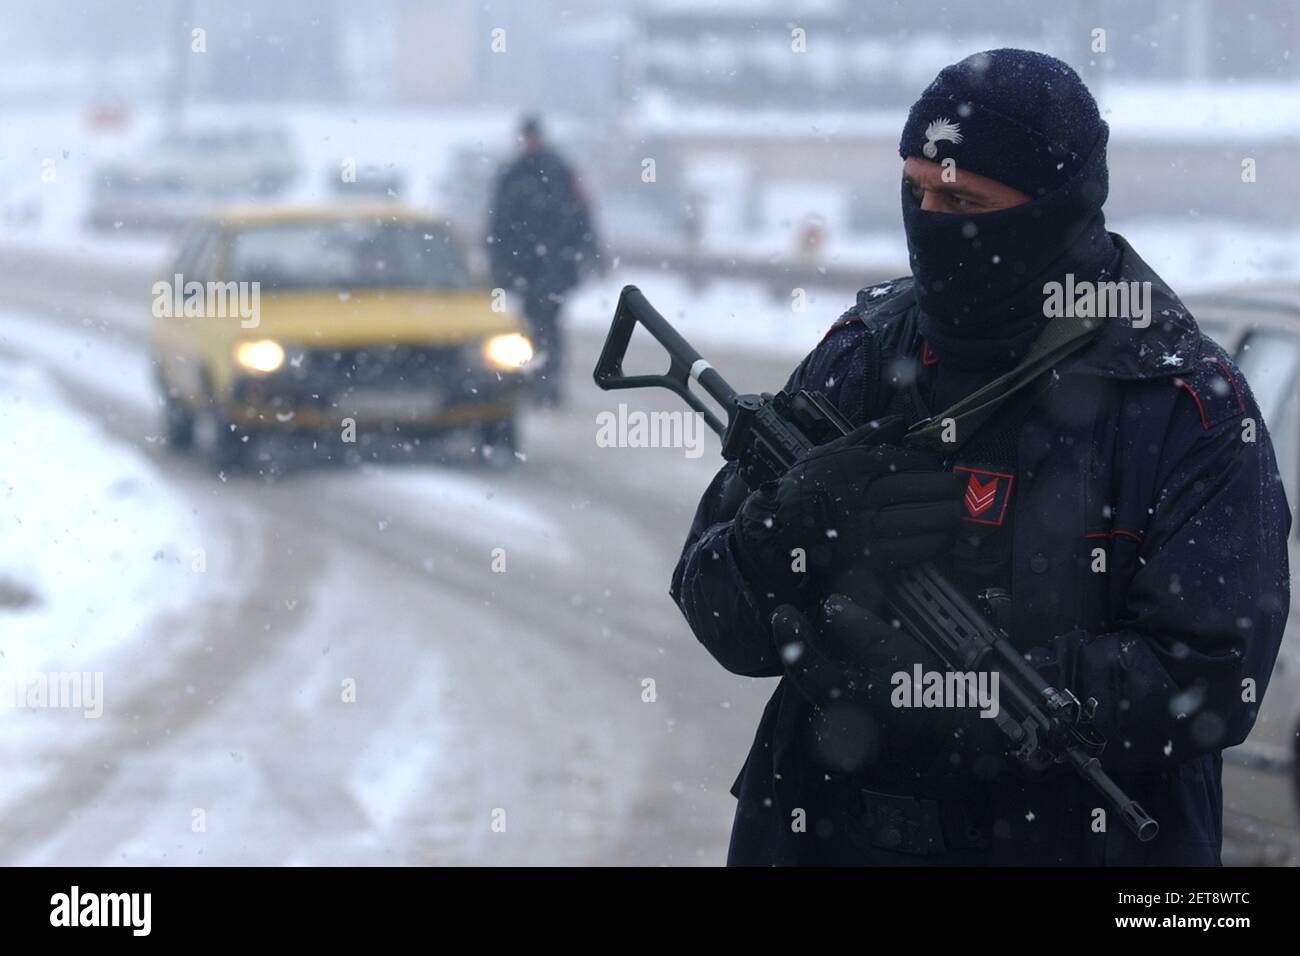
987	495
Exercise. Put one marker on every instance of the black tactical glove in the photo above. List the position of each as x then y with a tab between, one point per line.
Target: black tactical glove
845	653
846	658
855	498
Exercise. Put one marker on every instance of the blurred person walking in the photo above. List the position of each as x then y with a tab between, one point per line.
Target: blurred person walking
540	235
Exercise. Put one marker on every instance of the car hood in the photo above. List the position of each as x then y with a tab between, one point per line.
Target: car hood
377	317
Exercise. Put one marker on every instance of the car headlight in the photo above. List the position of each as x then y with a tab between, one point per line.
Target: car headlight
262	355
509	351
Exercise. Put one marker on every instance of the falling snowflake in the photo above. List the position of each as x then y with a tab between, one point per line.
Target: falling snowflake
1172	358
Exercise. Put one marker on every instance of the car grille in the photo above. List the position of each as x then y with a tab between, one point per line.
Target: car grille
330	370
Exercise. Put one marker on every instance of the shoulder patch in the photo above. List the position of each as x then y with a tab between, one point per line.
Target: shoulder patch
877	301
885	298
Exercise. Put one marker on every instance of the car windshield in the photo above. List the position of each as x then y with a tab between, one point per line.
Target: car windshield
1221	332
347	254
1270	362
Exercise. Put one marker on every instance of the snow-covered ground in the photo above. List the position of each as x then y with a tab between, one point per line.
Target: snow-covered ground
333	686
93	533
1153	110
98	548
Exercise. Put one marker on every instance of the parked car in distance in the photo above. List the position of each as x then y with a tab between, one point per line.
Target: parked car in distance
185	174
1260	326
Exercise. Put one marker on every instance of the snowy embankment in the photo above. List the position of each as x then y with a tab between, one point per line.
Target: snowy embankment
93	536
98	576
92	532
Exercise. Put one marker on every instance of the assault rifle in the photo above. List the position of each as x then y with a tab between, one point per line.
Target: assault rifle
766	434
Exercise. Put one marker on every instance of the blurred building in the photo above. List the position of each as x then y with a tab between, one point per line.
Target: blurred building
573	53
778	120
739	54
750	136
541	55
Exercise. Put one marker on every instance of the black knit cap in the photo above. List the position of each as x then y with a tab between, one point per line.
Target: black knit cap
1020	117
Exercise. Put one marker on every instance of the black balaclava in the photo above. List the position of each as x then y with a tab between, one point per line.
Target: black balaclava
1026	120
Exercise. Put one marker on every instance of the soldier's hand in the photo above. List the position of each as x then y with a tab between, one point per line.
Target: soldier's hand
847	657
855	499
965	741
845	652
815	670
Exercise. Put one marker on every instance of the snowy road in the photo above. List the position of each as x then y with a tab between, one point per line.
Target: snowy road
476	692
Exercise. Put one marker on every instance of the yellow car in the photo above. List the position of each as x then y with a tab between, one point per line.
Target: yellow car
345	325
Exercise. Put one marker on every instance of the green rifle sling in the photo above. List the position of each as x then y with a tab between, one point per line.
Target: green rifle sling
1059	339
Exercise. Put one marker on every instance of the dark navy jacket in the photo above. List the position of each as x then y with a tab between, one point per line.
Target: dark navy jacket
1136	447
539	227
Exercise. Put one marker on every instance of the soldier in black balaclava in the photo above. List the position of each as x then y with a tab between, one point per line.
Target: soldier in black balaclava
1138	541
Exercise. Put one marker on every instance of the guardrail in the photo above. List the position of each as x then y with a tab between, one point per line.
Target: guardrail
779	274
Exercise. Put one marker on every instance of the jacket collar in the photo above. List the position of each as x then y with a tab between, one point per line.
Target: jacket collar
1170	345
